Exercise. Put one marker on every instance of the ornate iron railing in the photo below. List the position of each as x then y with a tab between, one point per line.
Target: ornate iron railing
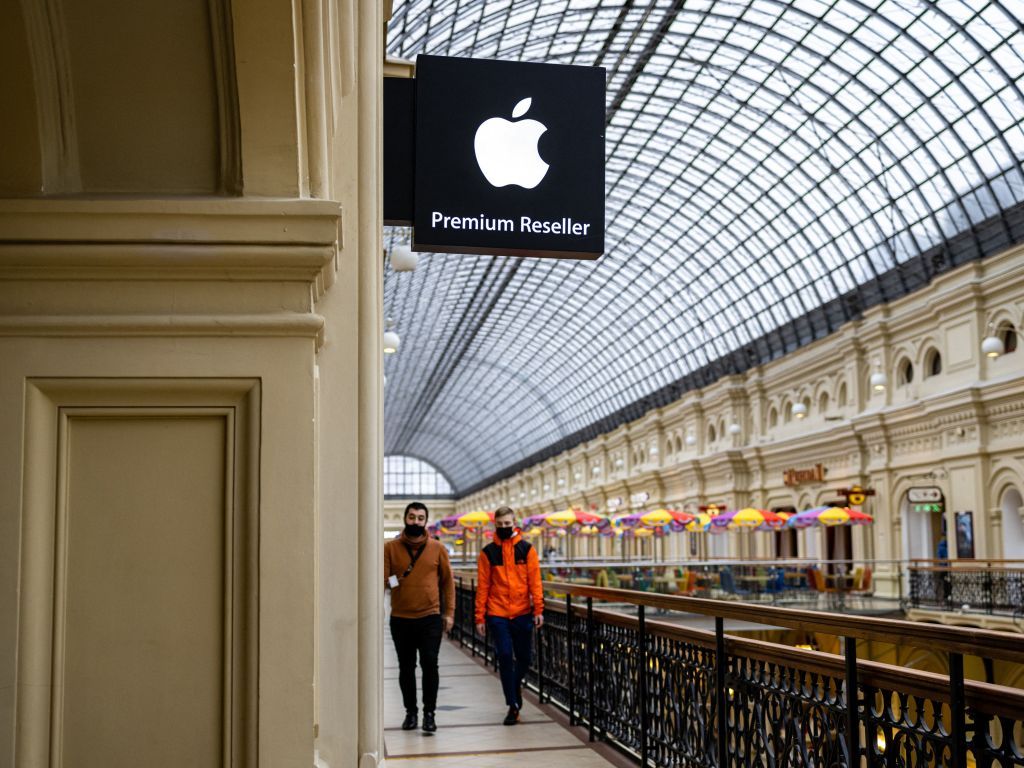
989	586
673	696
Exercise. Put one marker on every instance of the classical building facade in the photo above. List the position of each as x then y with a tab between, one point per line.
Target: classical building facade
793	432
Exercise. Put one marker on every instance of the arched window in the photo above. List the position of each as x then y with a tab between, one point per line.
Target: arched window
407	477
711	433
773	417
823	403
933	363
787	413
905	371
1008	334
842	395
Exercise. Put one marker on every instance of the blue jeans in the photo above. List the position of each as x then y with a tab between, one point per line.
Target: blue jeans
513	642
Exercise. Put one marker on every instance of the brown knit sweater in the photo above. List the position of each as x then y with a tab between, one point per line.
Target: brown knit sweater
420	593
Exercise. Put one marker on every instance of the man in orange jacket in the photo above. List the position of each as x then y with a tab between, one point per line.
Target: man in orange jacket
510	603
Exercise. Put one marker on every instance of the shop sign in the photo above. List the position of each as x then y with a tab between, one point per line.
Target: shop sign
856	495
639	498
509	158
815	474
926	499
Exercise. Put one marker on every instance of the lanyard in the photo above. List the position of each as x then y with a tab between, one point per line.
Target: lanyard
414	556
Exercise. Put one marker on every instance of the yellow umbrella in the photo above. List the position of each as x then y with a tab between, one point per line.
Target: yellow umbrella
701	522
834	516
474	520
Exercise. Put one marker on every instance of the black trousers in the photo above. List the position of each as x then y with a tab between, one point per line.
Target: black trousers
412	636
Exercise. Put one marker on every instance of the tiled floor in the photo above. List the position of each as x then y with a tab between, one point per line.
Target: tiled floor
470	709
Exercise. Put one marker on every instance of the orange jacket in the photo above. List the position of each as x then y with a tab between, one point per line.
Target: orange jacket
508	580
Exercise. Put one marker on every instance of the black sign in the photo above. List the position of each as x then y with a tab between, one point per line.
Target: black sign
509	158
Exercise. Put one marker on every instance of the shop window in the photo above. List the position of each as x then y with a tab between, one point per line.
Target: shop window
933	363
906	372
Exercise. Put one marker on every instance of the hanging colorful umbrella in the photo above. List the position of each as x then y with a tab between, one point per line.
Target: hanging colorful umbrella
830	516
438	528
748	518
701	522
859	518
567	518
806	518
773	526
468	520
657	518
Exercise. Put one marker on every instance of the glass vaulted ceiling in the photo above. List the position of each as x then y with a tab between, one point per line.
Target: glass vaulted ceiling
773	168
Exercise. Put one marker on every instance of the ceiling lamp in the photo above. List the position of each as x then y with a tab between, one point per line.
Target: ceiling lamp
391	339
879	381
735	429
691	439
403	259
799	410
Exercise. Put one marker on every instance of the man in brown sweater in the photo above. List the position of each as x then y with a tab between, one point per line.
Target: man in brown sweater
417	571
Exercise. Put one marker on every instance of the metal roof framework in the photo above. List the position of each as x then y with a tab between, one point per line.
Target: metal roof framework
774	168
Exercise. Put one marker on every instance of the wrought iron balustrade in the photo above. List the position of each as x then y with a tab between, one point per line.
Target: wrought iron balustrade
990	586
674	696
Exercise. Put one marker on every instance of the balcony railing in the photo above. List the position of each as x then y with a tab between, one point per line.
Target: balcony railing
673	696
991	586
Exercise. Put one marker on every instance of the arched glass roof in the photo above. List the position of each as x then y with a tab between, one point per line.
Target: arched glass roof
410	478
774	167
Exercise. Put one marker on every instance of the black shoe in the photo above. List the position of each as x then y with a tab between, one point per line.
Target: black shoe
410	721
512	717
429	726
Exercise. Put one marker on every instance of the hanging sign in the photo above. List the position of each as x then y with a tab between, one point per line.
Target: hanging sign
509	158
856	495
926	499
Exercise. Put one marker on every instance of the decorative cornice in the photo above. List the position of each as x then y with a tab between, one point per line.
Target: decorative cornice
155	239
278	324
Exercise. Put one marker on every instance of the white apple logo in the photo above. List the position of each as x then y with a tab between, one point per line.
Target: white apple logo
507	151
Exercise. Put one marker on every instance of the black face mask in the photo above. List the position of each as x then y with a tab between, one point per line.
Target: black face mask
504	533
414	531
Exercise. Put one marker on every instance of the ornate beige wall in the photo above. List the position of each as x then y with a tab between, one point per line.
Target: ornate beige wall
961	430
190	283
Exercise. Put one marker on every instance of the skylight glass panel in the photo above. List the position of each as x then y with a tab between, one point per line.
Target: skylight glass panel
763	159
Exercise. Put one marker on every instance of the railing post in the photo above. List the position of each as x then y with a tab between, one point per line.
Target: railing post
947	588
723	716
958	724
642	627
472	645
852	703
590	666
540	663
460	614
572	671
989	601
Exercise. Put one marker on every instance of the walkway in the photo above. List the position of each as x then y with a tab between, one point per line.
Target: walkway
469	730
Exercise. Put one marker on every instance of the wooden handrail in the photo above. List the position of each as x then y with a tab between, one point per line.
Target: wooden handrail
966	640
966	569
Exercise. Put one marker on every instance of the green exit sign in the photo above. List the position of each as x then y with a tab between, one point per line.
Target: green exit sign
937	507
